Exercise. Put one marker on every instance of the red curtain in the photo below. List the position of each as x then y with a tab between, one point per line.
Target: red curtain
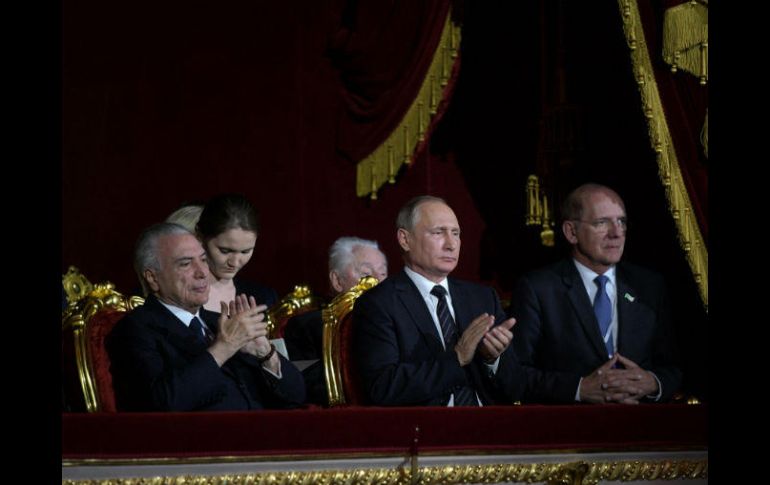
381	52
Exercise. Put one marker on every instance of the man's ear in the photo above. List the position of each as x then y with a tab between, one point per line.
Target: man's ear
570	231
403	239
334	279
151	279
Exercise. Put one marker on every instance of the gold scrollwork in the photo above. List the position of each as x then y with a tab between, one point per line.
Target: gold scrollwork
332	316
300	297
76	318
75	284
570	473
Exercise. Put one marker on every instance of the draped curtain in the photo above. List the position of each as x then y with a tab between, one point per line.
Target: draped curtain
382	53
685	102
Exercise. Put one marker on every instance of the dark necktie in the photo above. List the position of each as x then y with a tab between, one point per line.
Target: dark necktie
464	396
201	332
603	311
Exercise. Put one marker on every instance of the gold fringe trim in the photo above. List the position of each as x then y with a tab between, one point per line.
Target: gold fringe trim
690	237
383	163
685	38
579	472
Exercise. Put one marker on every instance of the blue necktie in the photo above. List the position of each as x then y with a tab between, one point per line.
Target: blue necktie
201	332
464	396
603	311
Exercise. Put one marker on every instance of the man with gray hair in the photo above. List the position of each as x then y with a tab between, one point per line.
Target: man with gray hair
350	259
592	328
170	354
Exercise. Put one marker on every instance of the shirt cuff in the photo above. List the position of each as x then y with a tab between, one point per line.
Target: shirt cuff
492	368
577	392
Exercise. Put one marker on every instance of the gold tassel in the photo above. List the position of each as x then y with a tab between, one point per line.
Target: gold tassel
685	39
533	201
546	235
538	212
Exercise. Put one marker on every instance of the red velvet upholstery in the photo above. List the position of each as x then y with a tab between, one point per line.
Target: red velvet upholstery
494	429
98	327
354	395
85	365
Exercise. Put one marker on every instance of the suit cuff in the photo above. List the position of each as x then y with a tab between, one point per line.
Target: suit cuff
655	397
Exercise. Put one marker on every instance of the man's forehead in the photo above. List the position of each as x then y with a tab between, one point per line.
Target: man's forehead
182	245
603	201
437	214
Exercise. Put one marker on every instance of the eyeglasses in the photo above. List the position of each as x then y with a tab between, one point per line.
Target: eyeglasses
603	225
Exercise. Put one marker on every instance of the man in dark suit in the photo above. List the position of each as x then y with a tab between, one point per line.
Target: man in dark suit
170	354
591	328
420	338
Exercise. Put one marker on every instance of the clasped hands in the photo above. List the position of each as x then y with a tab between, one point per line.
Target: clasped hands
628	384
242	327
482	336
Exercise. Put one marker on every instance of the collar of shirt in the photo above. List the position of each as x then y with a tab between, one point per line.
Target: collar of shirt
424	286
183	315
588	276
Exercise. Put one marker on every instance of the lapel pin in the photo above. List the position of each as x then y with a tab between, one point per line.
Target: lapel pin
629	297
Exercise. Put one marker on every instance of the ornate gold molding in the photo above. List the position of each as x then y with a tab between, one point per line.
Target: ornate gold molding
76	319
383	163
75	284
332	316
690	237
300	297
571	473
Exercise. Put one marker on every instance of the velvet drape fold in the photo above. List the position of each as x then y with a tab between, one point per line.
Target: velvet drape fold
381	51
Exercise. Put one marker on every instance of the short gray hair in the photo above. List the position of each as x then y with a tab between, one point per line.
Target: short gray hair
408	215
146	249
341	251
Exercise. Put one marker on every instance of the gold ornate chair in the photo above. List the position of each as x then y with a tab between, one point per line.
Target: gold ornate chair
92	312
75	285
299	301
339	369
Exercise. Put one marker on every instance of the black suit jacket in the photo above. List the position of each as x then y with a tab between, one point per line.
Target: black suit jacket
263	294
158	364
399	354
304	336
557	338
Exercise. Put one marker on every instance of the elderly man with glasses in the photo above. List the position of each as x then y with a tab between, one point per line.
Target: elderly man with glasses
590	328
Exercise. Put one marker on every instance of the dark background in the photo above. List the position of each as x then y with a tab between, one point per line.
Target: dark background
176	101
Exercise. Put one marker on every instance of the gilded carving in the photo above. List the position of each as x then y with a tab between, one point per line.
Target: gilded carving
571	473
332	316
76	318
301	297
